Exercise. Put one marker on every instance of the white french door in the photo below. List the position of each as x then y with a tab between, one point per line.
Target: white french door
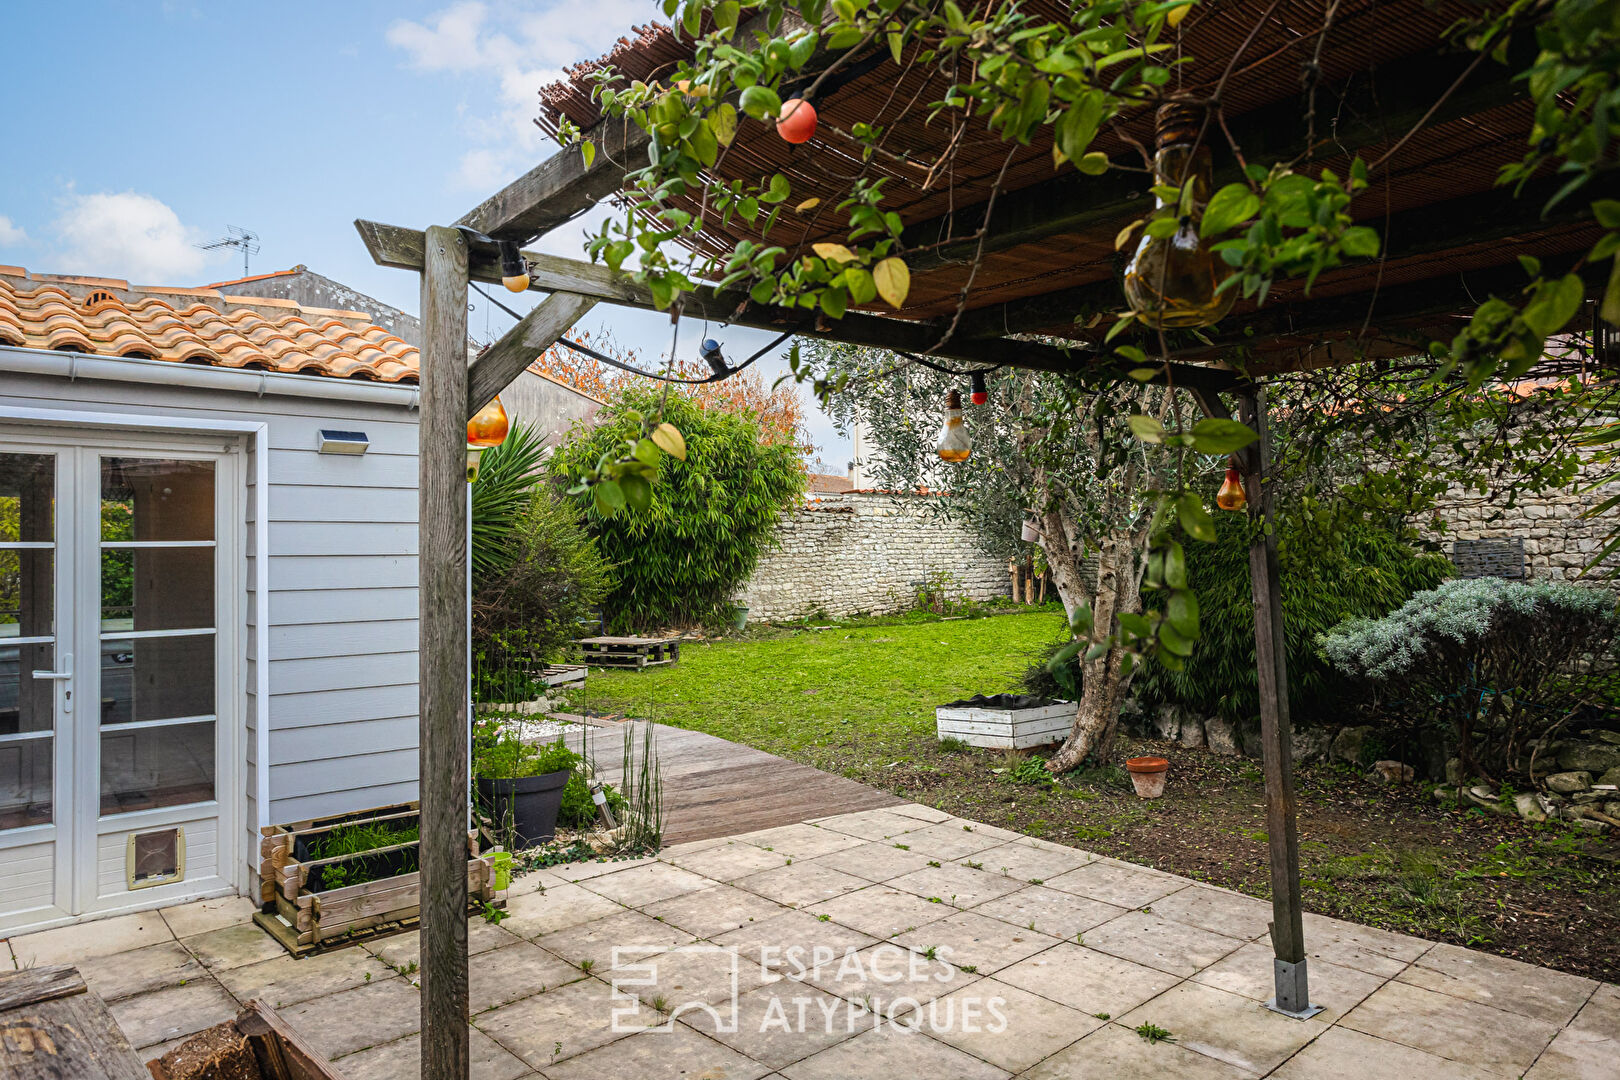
117	699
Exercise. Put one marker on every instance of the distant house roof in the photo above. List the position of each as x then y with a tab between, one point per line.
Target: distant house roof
109	317
828	483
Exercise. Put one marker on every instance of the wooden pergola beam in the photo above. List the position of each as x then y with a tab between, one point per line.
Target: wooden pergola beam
536	332
1370	114
392	245
443	734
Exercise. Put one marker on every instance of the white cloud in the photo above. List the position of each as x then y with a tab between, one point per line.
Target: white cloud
130	235
11	234
508	54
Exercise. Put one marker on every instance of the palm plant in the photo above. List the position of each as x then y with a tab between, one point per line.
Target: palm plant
506	479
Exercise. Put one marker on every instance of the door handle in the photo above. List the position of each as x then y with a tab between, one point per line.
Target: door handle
64	678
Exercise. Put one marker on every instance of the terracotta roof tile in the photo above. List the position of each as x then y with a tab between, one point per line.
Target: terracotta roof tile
106	317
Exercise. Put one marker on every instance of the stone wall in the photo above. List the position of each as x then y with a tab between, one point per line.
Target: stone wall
867	552
1558	541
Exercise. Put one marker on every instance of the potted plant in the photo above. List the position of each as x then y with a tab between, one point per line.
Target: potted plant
1147	775
520	786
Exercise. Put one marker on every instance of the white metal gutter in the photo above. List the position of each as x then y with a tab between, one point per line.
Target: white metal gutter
71	365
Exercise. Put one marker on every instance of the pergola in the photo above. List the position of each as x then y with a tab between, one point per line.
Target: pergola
1032	255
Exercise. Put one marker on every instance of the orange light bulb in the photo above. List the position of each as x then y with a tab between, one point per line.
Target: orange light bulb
1231	495
489	425
796	123
954	442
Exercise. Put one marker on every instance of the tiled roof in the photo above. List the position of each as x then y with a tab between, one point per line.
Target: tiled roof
828	483
108	317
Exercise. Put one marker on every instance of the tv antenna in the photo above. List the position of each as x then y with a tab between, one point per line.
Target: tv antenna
236	237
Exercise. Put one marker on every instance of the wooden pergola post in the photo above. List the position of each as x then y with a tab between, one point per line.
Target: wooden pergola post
443	735
1276	730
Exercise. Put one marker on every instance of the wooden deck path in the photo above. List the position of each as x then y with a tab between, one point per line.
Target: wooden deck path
714	787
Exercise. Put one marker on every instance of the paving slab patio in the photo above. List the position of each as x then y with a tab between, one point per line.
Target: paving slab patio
854	957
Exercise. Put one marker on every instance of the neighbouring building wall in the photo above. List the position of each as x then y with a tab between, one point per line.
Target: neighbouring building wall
1558	540
547	404
306	288
858	552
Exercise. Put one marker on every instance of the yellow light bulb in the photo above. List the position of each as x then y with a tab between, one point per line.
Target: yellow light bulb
1171	281
516	283
1231	496
954	442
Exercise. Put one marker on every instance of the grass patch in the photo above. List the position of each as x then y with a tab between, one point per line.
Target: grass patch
814	695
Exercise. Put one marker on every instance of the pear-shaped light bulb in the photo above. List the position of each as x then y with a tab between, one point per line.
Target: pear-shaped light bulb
1231	495
954	442
489	425
1171	281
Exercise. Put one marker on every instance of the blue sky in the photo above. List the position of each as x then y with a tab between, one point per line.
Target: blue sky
138	130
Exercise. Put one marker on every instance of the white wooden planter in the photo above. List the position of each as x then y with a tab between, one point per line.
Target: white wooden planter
1005	728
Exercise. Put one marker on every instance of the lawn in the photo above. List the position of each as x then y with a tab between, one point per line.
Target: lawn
859	701
818	695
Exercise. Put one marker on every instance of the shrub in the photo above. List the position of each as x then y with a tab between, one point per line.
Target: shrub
1327	574
537	573
711	517
1496	662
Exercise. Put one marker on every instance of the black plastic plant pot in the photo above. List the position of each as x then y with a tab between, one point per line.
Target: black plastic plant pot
529	805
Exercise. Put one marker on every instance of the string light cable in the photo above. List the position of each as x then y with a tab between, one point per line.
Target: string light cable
586	350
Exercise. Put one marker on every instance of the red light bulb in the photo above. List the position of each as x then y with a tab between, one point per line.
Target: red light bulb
796	123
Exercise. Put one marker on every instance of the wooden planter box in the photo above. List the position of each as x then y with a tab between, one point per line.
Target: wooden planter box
303	916
1004	722
257	1045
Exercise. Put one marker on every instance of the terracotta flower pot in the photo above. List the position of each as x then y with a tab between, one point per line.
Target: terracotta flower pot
1147	773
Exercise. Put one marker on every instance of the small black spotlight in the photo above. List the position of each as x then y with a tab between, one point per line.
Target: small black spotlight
711	354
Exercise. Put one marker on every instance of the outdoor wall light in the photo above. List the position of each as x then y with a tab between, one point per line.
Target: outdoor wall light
710	352
954	442
514	267
487	428
352	443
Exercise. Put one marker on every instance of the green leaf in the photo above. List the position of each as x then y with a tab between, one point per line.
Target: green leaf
1610	310
1077	126
1175	566
1554	304
1360	240
1195	520
1083	621
1093	163
802	49
1229	207
637	492
1181	612
1147	429
834	301
1219	436
725	14
723	121
1173	640
780	189
1607	211
1162	228
862	289
760	102
609	498
587	151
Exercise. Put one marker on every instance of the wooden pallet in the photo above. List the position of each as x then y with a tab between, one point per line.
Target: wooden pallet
630	652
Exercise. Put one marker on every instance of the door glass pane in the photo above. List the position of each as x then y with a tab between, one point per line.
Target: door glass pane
27	497
145	768
157	678
156	499
26	703
157	588
25	782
